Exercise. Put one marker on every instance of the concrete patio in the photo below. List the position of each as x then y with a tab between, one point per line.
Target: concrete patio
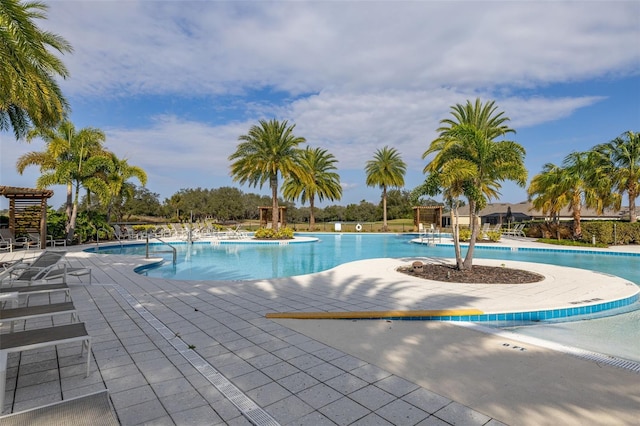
202	352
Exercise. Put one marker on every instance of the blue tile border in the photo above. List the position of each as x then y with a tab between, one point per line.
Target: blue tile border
531	316
547	250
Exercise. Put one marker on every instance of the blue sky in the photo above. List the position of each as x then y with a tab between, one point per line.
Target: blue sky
174	83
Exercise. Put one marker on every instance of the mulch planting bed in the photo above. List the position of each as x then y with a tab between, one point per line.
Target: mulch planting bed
479	274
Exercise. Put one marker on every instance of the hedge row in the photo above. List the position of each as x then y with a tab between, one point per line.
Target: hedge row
608	232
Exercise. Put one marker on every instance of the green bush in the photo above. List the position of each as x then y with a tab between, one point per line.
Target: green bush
464	235
493	236
269	234
284	234
91	224
609	232
264	234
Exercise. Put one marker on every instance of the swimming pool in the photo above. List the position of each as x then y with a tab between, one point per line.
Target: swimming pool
618	335
229	260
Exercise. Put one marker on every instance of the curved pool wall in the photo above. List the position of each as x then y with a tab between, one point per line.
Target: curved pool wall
588	308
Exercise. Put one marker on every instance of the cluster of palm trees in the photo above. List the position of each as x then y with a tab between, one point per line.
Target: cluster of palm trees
469	164
270	149
29	93
78	159
597	178
33	106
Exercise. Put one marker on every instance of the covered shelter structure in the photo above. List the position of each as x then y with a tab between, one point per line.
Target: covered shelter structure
27	210
266	215
427	215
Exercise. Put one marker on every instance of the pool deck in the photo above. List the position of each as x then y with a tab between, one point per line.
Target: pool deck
203	352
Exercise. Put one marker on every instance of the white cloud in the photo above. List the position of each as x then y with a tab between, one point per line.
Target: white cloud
360	75
300	47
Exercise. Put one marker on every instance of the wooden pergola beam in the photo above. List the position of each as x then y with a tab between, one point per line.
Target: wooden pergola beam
24	195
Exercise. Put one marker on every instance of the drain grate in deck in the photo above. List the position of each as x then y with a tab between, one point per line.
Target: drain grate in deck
246	405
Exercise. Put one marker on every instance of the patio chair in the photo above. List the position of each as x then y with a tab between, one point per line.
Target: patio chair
516	231
11	269
13	293
6	244
49	241
93	409
40	338
47	262
12	315
65	271
10	239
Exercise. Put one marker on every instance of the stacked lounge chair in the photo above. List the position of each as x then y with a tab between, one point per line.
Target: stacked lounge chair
14	308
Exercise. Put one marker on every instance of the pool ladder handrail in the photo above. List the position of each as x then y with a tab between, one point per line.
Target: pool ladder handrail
173	249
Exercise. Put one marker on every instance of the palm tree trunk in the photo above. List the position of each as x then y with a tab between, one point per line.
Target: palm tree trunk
468	259
275	219
74	216
633	194
576	209
384	209
69	205
456	235
312	218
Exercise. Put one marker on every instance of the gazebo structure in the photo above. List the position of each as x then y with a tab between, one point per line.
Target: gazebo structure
266	215
427	215
28	210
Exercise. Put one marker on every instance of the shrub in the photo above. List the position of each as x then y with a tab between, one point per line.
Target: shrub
284	234
89	224
464	235
493	236
269	234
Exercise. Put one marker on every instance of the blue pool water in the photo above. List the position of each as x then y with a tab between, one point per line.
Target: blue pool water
618	335
204	261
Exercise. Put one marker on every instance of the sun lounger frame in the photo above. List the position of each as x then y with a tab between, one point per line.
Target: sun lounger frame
38	289
41	338
39	311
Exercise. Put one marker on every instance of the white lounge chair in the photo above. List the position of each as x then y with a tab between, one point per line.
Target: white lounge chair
516	231
21	242
12	315
40	338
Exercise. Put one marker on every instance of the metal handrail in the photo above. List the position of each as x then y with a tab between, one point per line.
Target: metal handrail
174	250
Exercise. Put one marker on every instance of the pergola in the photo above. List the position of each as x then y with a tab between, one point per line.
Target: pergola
427	215
28	210
266	216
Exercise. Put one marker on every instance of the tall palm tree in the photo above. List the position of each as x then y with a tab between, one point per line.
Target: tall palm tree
72	158
268	150
546	193
623	156
385	170
470	162
319	180
583	183
29	93
580	181
116	176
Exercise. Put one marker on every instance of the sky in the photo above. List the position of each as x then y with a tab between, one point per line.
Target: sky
173	84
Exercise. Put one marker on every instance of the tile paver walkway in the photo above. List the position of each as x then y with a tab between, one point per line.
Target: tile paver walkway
293	378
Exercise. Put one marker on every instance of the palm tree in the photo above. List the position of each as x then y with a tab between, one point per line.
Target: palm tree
385	170
269	149
319	180
116	176
546	193
72	158
580	181
623	157
29	93
469	161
